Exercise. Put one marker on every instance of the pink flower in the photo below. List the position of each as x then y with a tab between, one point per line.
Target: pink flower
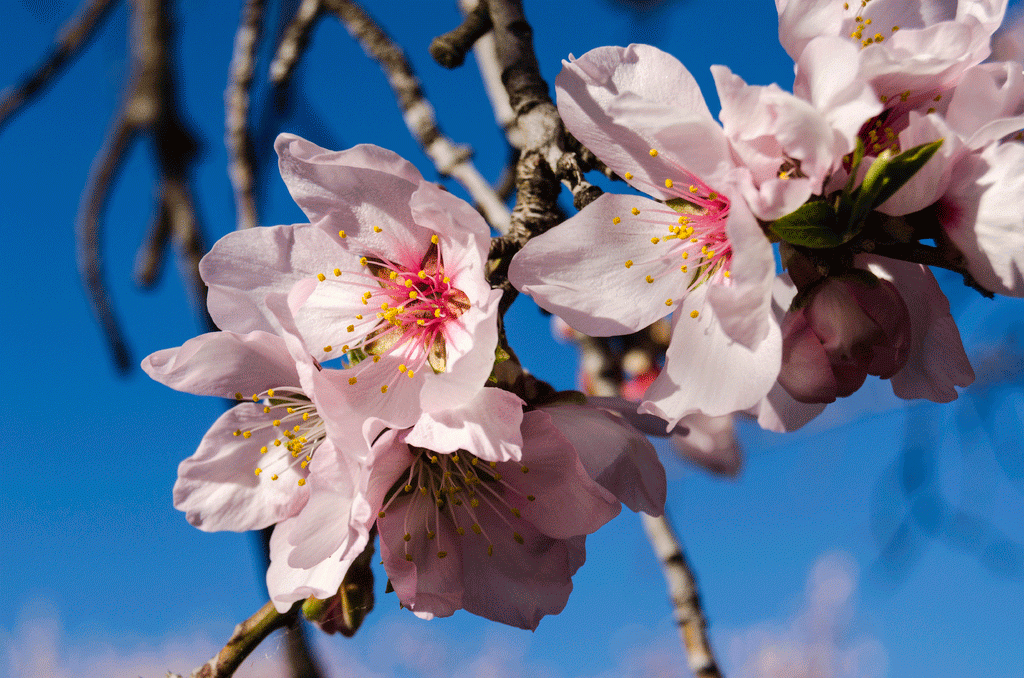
496	532
388	277
626	261
251	468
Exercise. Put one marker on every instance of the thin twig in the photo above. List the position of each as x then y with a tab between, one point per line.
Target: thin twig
236	106
294	41
73	37
247	636
449	50
451	160
486	54
682	588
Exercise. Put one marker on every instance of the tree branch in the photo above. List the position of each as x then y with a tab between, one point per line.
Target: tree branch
247	636
449	50
236	105
451	160
294	41
682	589
73	37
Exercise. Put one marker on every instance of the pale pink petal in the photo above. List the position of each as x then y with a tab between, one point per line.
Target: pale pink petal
577	269
742	304
224	364
806	372
768	128
710	442
845	99
987	103
779	412
243	267
645	86
937	361
218	488
707	372
287	584
800	21
983	214
931	181
488	426
352	190
337	513
617	456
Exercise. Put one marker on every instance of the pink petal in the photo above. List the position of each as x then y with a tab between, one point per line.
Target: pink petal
488	427
707	372
800	21
567	501
577	269
244	267
224	364
617	456
649	89
710	442
937	361
218	488
983	213
353	190
337	513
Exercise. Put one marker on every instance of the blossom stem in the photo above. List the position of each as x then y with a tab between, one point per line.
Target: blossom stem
247	636
682	588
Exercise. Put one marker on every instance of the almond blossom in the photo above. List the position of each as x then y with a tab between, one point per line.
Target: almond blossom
695	249
466	525
386	284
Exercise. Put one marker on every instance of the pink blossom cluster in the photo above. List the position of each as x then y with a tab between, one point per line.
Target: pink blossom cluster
899	147
359	347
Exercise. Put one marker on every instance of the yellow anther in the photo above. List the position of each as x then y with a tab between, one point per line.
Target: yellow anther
384	388
376	358
362	261
401	368
931	109
263	450
392	275
686	255
628	176
342	234
649	279
377	229
277	422
345	347
273	477
422	275
476	528
302	481
655	240
653	152
352	380
616	220
711	253
635	211
895	28
259	471
938	97
421	322
437	313
305	417
327	349
668	183
693	189
270	392
359	317
266	409
629	262
694	313
408	556
668	302
727	274
413	294
694	240
524	469
446	280
683	221
247	435
367	294
683	268
239	396
490	549
518	537
351	328
384	306
321	277
433	238
296	428
277	443
411	373
712	196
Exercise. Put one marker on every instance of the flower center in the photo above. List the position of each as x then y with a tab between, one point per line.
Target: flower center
695	238
298	431
409	309
471	494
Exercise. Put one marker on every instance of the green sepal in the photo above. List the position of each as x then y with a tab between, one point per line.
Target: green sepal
887	175
813	224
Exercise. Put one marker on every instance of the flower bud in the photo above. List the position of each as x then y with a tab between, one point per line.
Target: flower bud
851	327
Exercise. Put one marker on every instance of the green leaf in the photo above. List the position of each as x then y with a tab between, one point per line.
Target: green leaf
887	175
812	225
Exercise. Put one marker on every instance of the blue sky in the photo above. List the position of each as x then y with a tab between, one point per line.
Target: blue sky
98	567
